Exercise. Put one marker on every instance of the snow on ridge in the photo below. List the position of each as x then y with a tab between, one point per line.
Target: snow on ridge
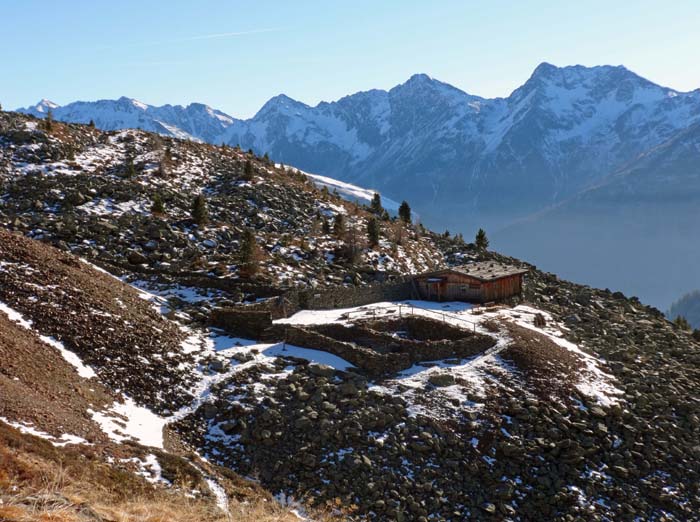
349	191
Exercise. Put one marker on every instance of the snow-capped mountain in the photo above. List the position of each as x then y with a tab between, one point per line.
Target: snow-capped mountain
461	160
195	122
464	160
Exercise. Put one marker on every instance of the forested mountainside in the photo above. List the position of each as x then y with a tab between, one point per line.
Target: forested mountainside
565	403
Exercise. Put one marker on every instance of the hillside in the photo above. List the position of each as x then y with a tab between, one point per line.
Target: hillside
316	372
92	193
79	439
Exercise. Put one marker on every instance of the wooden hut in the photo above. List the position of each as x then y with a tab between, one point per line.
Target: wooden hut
481	282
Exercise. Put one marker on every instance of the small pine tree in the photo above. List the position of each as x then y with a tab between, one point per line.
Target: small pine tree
373	230
248	170
200	215
326	227
157	206
266	158
682	323
249	254
481	241
339	226
49	120
165	163
130	169
91	124
405	212
376	205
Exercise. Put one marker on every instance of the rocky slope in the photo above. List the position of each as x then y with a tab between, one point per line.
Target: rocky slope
571	403
86	363
92	193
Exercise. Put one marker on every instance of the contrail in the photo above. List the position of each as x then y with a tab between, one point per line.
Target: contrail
194	38
226	35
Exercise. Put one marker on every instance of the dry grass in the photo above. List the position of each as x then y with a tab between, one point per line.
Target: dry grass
39	482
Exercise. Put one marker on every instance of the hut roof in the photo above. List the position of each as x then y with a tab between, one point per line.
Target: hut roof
482	270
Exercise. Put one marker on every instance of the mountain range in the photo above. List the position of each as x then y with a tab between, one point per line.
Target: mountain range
568	171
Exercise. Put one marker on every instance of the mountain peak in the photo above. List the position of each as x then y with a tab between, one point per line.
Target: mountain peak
45	104
281	102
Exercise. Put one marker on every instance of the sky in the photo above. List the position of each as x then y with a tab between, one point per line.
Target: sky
235	55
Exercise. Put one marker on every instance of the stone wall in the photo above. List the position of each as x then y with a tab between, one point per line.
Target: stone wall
398	289
250	324
402	356
374	363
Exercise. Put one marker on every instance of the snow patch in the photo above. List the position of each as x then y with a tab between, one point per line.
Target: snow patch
128	421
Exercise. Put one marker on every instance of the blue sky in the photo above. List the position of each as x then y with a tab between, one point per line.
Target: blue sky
236	55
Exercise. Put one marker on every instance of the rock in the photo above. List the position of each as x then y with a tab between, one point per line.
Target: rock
441	379
210	410
489	507
217	365
136	258
321	370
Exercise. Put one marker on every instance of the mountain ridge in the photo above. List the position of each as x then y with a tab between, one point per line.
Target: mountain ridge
462	161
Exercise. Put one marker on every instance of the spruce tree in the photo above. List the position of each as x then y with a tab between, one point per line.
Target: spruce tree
157	206
249	254
49	120
481	241
200	215
339	226
405	212
91	124
248	170
373	230
376	205
130	169
682	323
326	227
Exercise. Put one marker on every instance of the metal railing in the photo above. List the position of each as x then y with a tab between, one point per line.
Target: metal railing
402	309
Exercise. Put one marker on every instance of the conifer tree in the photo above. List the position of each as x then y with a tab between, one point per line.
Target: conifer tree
165	163
49	120
249	254
157	206
682	323
376	205
405	212
373	230
339	226
91	124
481	241
200	214
326	227
130	169
248	170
